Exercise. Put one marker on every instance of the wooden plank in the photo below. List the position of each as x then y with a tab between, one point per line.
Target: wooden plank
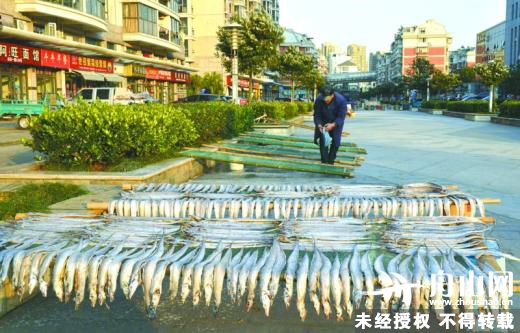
312	127
263	151
289	138
276	163
516	286
354	150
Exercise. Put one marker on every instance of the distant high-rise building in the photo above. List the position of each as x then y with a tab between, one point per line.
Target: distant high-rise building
512	31
373	60
328	48
359	56
272	7
429	40
491	43
462	58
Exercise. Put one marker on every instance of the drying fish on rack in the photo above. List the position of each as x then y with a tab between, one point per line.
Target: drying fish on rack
331	234
366	207
237	234
439	233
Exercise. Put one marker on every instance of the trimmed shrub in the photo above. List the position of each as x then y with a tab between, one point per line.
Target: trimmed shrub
438	105
105	134
510	109
468	106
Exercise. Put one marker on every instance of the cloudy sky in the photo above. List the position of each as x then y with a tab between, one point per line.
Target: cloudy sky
374	22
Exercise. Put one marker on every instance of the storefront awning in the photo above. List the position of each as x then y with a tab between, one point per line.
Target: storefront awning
91	76
113	78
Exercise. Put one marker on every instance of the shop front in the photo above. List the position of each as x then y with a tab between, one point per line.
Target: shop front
243	87
89	72
166	86
17	71
135	78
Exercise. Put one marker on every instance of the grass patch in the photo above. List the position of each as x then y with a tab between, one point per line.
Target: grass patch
37	198
126	165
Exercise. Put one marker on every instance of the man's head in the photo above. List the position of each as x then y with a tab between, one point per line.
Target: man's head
328	94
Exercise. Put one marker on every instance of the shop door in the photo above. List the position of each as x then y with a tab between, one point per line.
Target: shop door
13	83
46	86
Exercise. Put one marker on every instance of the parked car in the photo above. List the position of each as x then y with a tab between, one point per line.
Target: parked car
110	95
147	98
201	98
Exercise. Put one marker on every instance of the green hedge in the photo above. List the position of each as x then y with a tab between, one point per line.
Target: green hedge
510	109
104	134
469	106
438	105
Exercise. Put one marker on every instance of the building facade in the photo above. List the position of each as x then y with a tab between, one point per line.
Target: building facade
54	48
358	54
462	58
335	59
491	44
272	8
373	60
383	68
512	48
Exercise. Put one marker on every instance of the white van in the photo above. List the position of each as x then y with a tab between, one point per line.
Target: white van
110	95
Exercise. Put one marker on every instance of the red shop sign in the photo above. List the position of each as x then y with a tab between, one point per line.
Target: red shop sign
56	59
181	77
92	64
19	54
242	83
158	74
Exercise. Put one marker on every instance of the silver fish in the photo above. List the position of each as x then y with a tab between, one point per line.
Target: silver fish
290	274
314	273
344	273
325	286
301	287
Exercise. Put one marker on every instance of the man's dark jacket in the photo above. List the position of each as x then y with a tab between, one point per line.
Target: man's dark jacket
334	112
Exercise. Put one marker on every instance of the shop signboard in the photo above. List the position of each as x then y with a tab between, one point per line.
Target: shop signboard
134	70
54	59
158	74
242	83
99	65
19	54
181	77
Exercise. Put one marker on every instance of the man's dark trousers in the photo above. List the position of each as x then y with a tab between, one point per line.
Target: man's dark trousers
328	154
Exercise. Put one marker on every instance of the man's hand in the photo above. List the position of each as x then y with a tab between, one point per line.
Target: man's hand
320	128
329	127
349	113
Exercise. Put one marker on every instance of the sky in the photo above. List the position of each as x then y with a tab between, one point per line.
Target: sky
374	22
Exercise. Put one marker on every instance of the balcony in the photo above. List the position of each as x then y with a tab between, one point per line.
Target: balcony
169	8
88	15
153	41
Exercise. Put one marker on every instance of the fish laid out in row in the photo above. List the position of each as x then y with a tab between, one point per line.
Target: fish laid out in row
337	282
237	234
436	232
330	234
221	191
278	208
287	189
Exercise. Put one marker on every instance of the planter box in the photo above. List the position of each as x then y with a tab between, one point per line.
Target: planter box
478	117
506	121
454	114
432	111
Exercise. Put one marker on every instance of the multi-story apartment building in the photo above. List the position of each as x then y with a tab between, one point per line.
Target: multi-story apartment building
209	15
462	58
373	60
301	41
50	48
335	59
358	53
512	47
491	44
383	68
429	40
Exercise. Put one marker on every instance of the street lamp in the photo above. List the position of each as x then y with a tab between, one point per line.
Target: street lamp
234	28
428	88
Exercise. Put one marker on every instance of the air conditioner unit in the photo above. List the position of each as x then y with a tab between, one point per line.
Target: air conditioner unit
51	29
20	24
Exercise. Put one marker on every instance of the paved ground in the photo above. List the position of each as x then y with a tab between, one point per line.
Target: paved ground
403	147
12	152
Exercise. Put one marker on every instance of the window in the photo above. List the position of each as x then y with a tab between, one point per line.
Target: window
111	46
103	94
96	8
86	94
92	41
175	37
140	18
39	29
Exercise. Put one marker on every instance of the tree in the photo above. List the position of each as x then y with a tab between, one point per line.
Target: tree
467	75
511	85
211	81
258	46
492	74
444	82
312	80
418	76
294	66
